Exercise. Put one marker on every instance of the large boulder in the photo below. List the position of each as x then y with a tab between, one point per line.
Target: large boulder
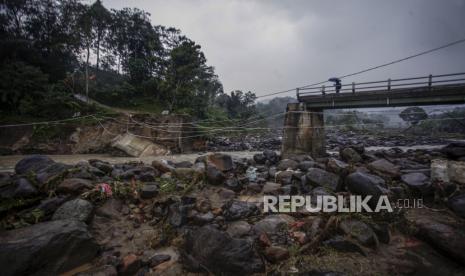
454	150
319	177
457	204
384	168
417	181
47	248
18	188
220	254
272	224
359	231
440	230
78	209
33	164
74	186
365	184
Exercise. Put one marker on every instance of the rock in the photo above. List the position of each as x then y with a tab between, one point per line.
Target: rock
417	181
49	205
233	184
162	166
129	265
276	254
51	173
365	184
74	186
454	150
287	164
77	209
271	188
360	231
101	165
234	210
382	231
222	162
305	165
259	158
18	189
384	167
238	229
214	176
441	231
272	224
271	156
285	177
341	244
337	166
350	155
202	219
110	209
33	164
149	190
47	248
185	174
158	259
184	164
457	204
178	213
319	177
221	254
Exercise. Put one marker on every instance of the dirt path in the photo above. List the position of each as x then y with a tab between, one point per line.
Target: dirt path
7	163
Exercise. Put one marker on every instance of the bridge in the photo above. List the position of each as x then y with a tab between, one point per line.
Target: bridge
304	122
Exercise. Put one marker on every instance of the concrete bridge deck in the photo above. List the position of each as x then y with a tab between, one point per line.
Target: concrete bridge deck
304	122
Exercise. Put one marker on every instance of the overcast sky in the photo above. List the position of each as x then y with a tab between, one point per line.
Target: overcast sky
267	46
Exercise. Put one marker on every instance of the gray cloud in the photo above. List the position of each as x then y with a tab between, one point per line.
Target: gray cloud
266	46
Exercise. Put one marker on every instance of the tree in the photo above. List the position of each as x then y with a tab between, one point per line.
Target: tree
413	115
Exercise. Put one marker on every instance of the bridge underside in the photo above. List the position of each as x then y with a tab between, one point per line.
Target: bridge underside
304	124
436	95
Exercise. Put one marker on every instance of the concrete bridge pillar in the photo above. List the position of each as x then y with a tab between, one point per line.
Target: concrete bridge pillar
304	131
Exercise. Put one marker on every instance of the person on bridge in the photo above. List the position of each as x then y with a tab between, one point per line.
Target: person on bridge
337	84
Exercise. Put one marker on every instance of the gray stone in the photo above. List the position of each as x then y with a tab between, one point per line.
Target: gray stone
384	168
77	209
350	155
319	177
47	248
365	184
271	188
337	166
239	228
214	176
457	204
220	253
417	181
74	186
360	231
272	224
287	164
33	164
234	210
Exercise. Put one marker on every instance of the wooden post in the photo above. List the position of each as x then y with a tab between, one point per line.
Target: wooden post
389	85
323	90
297	93
353	87
430	81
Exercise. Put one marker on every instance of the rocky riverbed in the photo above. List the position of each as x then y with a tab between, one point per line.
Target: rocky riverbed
205	216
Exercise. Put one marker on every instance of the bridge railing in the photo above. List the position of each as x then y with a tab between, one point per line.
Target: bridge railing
385	85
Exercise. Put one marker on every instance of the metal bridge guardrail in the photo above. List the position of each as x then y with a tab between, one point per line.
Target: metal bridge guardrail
386	85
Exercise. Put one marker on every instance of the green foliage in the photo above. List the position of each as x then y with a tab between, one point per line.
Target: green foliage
51	50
